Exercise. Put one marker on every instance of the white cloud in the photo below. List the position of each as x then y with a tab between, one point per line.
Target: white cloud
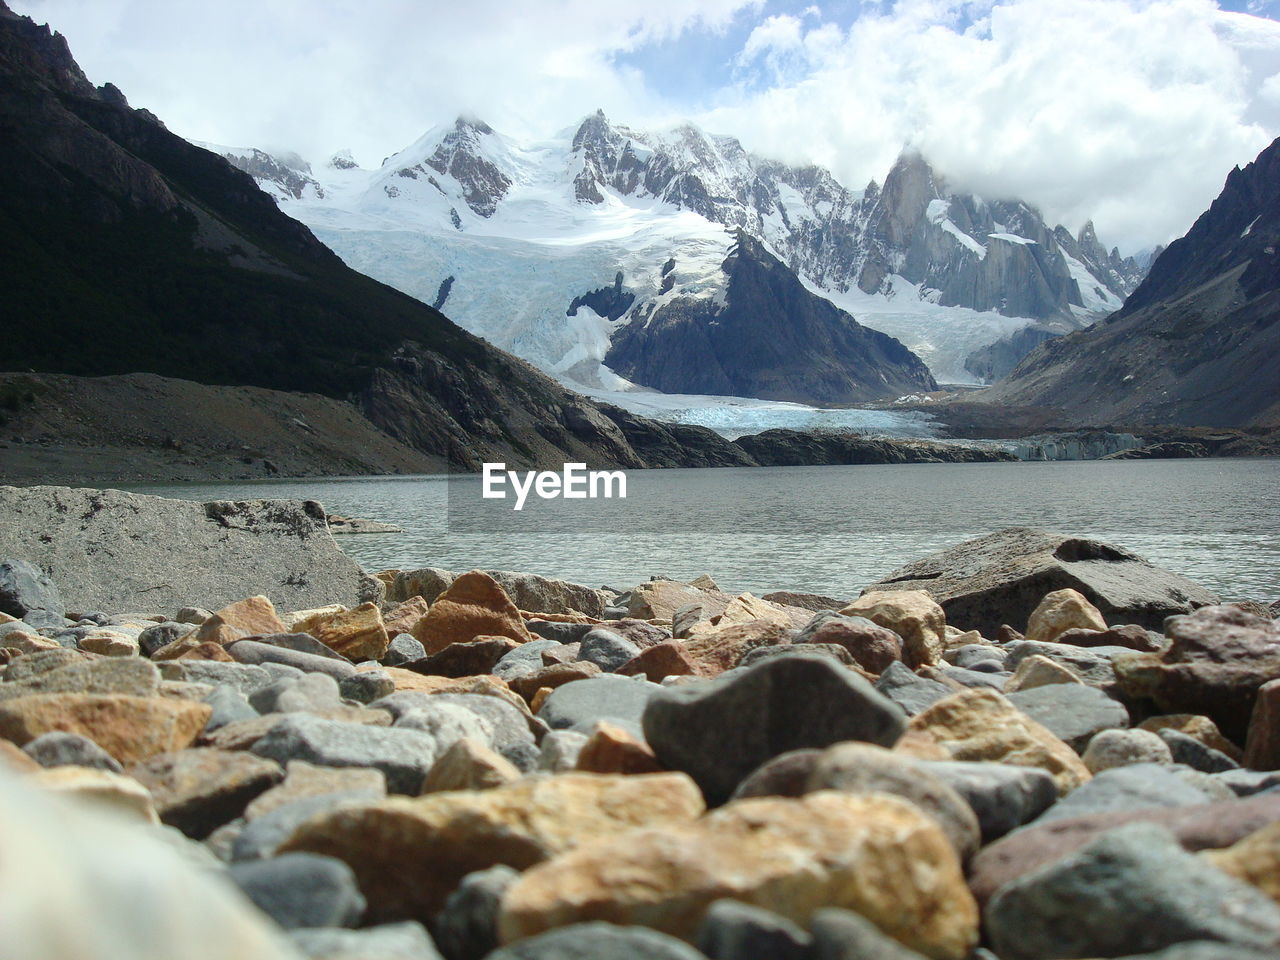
1127	111
371	75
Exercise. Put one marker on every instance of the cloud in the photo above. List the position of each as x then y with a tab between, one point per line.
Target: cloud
1127	112
1130	112
372	75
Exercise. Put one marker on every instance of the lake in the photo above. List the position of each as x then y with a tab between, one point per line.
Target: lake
828	530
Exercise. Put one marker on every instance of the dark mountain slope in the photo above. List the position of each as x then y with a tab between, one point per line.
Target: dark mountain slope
770	338
1197	343
123	248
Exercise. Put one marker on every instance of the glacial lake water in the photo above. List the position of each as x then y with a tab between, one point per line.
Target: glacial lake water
828	530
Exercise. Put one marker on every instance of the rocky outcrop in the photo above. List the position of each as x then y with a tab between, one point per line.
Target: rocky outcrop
115	550
981	583
769	338
281	174
1197	342
184	268
609	302
791	448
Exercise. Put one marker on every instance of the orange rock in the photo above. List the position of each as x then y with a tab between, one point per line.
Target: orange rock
714	653
666	659
358	633
474	605
610	749
555	675
255	616
202	651
403	617
131	729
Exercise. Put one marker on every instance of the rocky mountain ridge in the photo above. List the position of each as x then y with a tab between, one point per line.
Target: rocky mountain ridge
467	202
1198	342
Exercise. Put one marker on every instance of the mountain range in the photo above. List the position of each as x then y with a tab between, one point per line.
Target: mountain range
510	237
129	250
1198	342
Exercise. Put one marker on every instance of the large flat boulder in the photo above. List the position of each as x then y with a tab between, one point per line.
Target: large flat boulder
110	550
1002	577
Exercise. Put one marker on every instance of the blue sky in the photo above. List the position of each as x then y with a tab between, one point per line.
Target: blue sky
1127	112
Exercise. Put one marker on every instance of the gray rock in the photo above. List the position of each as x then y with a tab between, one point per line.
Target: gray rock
403	649
560	749
302	643
261	837
33	664
720	731
446	724
220	552
311	693
26	591
606	649
1245	783
523	661
391	941
786	775
192	615
862	768
301	890
1073	712
162	634
974	653
511	735
1133	787
738	931
244	677
367	686
1193	753
598	941
59	749
1131	890
1003	797
1205	950
991	666
131	676
404	756
833	651
467	927
544	595
559	632
616	699
1000	578
967	677
255	652
1091	664
845	935
229	706
912	693
1119	748
684	618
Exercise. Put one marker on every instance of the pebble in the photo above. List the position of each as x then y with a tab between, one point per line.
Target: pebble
607	650
844	935
913	615
1139	890
1190	751
598	941
1117	748
403	650
404	756
914	694
732	930
59	749
621	700
467	927
199	790
720	730
391	941
1072	712
300	890
367	686
1002	796
1135	786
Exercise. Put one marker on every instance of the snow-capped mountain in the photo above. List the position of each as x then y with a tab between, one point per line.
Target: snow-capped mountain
523	242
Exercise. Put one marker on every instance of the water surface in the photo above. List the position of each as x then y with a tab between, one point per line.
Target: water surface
827	530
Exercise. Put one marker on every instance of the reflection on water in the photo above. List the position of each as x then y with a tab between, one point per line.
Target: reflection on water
823	529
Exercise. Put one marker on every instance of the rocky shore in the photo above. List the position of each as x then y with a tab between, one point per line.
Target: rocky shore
1031	746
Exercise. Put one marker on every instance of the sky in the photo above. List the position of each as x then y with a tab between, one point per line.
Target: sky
1127	112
